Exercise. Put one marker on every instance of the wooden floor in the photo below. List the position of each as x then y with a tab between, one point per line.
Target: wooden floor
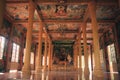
57	75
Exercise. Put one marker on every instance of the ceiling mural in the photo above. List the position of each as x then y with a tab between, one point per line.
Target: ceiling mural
19	11
62	35
104	25
62	21
62	26
105	12
100	25
36	27
64	12
16	0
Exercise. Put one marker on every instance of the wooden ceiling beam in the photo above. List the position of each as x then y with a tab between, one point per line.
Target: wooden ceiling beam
48	21
63	21
70	31
84	2
110	3
60	21
63	39
68	2
86	16
8	17
70	39
44	28
75	32
78	2
24	21
17	2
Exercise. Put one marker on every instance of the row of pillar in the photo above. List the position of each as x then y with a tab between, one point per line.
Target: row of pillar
97	69
26	68
77	47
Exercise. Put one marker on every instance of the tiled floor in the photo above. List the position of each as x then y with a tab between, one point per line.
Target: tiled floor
56	75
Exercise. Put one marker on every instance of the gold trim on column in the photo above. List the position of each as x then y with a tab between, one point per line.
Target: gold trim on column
27	67
86	69
45	54
39	53
97	69
2	10
80	54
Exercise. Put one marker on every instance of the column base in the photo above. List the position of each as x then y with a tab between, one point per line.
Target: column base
49	69
26	72
86	71
98	72
45	68
38	70
80	70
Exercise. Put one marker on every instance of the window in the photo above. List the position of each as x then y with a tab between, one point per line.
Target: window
2	45
32	58
15	53
111	53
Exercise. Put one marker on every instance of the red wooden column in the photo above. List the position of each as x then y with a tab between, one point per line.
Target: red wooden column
49	56
39	53
86	69
2	10
80	54
75	56
98	68
27	67
45	54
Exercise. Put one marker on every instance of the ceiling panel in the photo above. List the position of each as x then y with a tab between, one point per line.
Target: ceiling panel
106	12
19	11
62	26
62	12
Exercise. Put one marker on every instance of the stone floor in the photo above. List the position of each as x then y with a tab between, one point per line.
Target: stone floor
57	75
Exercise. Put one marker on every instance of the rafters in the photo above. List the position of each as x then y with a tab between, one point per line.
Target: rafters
60	21
101	2
44	21
41	21
69	31
16	2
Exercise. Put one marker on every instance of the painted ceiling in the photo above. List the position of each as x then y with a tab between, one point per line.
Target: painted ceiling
62	35
64	12
16	0
55	17
106	12
62	26
19	11
60	12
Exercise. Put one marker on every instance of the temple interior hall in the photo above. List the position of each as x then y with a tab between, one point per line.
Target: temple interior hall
59	39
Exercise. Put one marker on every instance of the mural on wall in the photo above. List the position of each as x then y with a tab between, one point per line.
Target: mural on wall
6	28
63	53
56	12
105	12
